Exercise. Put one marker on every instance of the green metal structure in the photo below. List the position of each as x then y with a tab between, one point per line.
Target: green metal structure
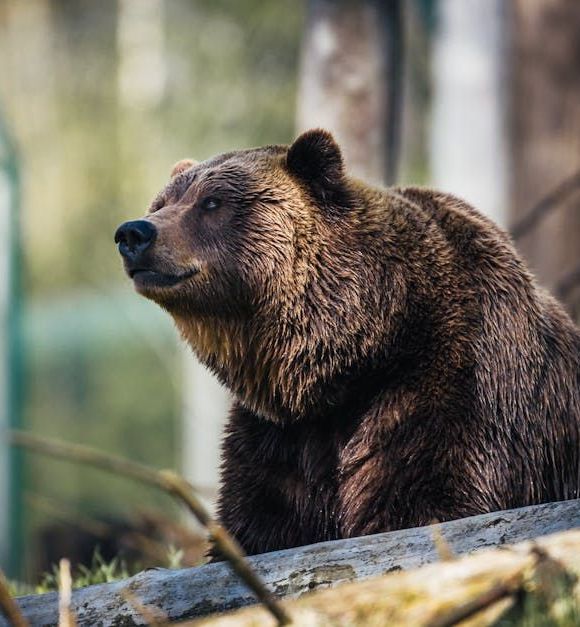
11	356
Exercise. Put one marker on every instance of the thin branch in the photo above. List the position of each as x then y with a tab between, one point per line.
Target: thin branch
482	602
226	544
568	283
552	200
442	547
8	605
133	538
171	483
544	562
87	455
66	514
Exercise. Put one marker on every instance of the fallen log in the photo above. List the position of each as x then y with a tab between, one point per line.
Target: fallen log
196	592
529	583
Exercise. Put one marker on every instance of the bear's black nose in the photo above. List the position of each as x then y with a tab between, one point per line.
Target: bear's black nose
135	237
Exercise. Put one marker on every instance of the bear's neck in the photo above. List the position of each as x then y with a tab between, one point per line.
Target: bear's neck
271	373
303	360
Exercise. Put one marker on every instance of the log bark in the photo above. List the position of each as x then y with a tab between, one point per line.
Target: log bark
196	592
532	580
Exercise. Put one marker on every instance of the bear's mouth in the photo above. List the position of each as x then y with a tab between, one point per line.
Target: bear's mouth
147	277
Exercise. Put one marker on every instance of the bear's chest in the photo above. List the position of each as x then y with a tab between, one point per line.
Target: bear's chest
301	477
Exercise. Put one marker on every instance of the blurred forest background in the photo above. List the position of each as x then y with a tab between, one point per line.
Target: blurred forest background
99	99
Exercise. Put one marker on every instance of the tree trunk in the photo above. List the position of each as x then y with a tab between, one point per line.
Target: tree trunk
351	81
545	138
468	147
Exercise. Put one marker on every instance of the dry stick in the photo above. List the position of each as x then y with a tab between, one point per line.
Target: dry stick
568	283
441	545
66	617
61	511
227	545
549	202
565	288
8	605
147	545
497	593
482	602
170	482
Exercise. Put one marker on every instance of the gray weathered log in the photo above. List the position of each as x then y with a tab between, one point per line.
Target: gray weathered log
213	588
528	583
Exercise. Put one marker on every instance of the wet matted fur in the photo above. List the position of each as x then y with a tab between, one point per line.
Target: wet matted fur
392	359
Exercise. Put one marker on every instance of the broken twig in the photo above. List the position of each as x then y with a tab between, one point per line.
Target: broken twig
8	605
171	483
66	617
531	218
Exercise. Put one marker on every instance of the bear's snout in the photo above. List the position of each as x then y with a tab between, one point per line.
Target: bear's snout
134	238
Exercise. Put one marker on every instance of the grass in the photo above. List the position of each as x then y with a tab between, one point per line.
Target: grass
99	571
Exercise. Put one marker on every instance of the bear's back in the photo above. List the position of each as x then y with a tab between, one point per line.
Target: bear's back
527	353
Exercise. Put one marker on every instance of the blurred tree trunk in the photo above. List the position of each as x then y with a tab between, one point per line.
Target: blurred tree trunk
468	147
351	81
545	136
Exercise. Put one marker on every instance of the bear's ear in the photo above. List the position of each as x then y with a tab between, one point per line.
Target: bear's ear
182	166
315	159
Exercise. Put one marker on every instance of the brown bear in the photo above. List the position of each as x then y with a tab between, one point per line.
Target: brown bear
392	360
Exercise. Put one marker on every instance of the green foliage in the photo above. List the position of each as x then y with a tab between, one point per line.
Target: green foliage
548	603
99	571
121	400
20	588
174	557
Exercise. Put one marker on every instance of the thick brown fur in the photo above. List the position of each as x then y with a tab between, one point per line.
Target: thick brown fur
392	360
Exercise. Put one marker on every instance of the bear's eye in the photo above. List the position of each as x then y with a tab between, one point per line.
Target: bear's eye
211	203
157	204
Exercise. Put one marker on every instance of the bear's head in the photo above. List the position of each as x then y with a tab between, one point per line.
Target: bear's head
222	237
254	255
